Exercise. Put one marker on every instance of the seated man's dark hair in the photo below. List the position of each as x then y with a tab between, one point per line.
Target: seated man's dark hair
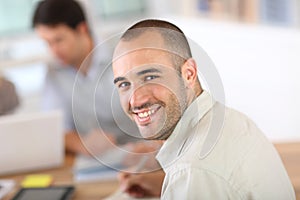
55	12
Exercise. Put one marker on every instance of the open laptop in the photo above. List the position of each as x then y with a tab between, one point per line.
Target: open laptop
31	142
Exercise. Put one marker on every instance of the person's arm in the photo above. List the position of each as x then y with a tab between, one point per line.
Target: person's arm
142	185
95	142
8	96
73	143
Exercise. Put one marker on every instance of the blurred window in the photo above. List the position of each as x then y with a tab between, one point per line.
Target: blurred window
110	9
15	16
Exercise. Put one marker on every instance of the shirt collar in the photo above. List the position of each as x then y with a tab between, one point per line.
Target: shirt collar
100	58
172	147
96	57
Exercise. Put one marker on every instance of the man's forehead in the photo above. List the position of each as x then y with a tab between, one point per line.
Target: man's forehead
147	40
140	59
147	49
55	27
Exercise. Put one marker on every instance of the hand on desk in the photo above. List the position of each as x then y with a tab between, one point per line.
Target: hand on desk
148	183
142	185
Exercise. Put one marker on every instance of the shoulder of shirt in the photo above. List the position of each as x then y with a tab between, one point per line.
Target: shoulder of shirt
240	133
239	121
238	136
54	67
185	170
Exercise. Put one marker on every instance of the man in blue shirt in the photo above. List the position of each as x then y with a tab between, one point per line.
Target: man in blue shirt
78	77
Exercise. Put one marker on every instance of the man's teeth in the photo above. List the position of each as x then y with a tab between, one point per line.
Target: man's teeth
146	114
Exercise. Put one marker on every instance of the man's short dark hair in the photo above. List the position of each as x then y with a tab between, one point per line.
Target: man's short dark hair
173	37
55	12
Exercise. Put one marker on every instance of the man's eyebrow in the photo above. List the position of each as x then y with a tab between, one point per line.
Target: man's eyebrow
119	79
151	70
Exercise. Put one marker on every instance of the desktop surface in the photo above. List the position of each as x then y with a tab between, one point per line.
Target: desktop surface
64	176
289	152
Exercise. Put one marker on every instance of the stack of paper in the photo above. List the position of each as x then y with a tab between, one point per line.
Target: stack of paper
5	187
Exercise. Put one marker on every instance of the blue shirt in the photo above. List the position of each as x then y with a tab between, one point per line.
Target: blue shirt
88	101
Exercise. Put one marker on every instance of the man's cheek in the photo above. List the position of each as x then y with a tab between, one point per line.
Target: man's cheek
124	104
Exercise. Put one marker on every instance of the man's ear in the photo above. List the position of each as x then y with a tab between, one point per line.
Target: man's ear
82	28
189	72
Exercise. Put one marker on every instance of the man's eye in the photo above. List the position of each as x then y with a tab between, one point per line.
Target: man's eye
123	84
148	78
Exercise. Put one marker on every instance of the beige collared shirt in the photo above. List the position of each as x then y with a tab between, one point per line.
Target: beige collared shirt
218	153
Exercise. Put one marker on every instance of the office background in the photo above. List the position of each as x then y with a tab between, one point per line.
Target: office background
254	44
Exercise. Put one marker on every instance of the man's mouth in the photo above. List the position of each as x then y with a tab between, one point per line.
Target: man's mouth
145	116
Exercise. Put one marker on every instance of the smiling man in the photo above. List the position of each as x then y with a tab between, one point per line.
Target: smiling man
159	89
146	93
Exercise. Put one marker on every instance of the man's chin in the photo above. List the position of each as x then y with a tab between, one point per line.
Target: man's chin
63	61
149	134
151	130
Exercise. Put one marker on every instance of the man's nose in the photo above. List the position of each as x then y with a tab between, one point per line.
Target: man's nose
54	48
140	97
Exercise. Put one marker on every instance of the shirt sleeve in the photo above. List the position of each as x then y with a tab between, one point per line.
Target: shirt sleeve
194	183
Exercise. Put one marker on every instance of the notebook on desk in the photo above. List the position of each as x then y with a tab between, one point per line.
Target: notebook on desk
31	142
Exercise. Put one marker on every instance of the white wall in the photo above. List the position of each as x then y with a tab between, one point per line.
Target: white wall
260	70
